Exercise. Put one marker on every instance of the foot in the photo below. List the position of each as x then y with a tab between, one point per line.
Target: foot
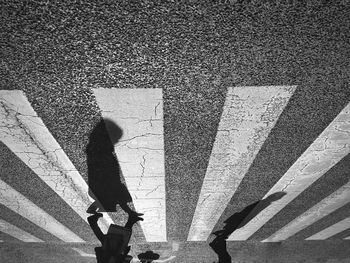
92	208
135	214
134	219
96	216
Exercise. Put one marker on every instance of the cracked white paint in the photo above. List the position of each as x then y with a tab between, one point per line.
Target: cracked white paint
248	116
328	149
328	205
24	133
140	151
332	230
18	203
16	232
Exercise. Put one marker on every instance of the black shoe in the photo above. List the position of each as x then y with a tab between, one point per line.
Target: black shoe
93	208
135	214
95	216
133	219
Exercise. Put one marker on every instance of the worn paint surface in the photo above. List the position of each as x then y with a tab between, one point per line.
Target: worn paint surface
329	148
16	232
140	151
332	230
248	116
24	207
328	205
27	136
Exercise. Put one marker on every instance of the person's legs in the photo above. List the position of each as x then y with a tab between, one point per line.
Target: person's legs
95	228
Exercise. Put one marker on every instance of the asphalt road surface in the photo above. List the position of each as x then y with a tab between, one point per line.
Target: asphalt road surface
211	106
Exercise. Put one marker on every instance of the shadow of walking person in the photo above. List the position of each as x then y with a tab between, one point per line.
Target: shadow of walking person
104	173
236	221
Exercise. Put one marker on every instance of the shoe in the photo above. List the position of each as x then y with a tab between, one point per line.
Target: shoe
96	216
93	208
135	214
135	219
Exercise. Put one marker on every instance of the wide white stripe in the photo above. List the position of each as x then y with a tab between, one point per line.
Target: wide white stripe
16	232
27	136
332	230
328	149
140	151
248	116
328	205
24	207
347	238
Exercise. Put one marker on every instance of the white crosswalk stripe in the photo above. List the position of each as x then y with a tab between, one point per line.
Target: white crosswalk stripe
328	205
140	151
248	116
328	149
18	233
27	136
24	207
332	230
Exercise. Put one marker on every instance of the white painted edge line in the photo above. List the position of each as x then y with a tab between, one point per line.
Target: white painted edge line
140	151
17	233
249	114
347	238
134	260
332	230
327	150
27	136
18	203
83	254
328	205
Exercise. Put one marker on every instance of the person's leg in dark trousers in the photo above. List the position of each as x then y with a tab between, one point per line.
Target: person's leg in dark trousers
132	219
95	228
219	246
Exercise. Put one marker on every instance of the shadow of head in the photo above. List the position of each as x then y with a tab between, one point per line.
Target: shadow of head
114	131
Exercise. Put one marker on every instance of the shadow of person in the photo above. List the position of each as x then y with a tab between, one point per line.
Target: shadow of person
236	221
148	256
104	173
115	246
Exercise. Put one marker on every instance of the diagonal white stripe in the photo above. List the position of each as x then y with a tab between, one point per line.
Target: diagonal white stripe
329	148
248	116
16	232
332	230
139	113
27	136
329	204
24	207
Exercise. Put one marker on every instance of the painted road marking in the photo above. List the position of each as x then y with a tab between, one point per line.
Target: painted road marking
328	205
332	230
26	208
140	151
26	135
16	232
329	148
248	116
134	260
